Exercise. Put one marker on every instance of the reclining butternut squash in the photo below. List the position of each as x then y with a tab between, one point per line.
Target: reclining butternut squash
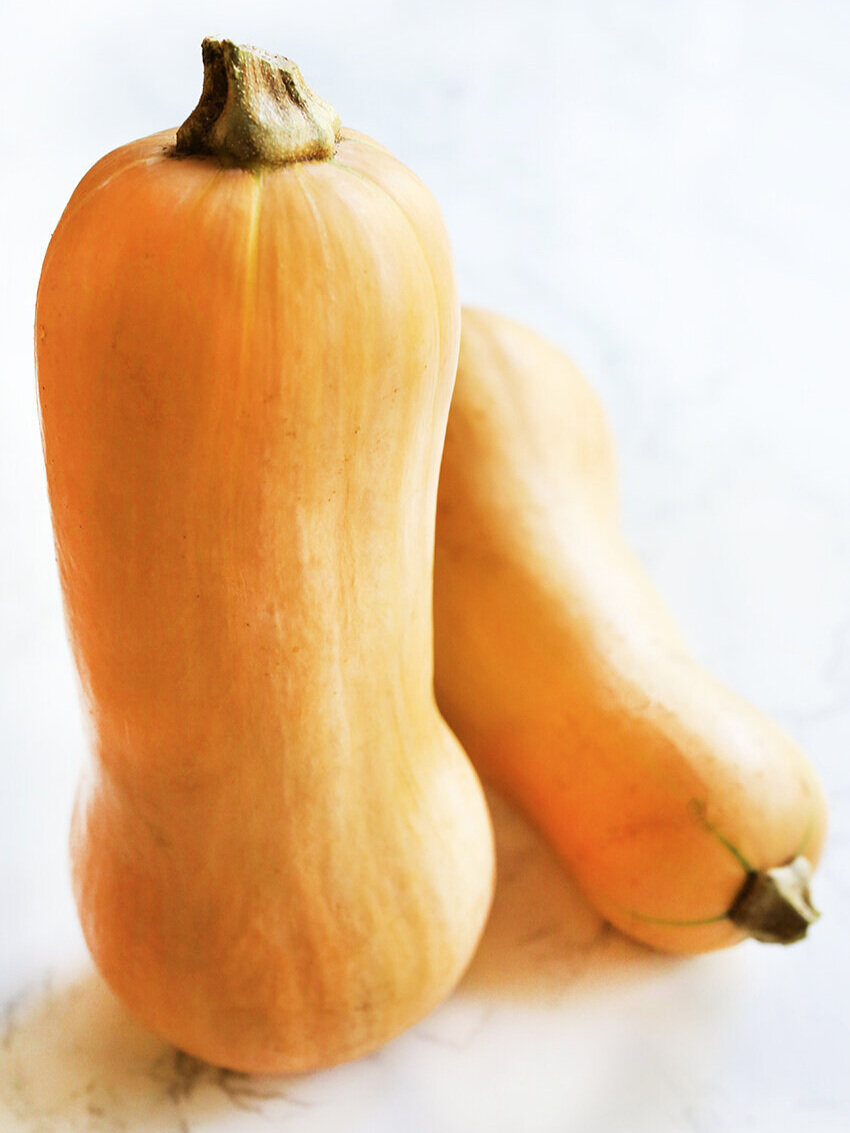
246	344
687	817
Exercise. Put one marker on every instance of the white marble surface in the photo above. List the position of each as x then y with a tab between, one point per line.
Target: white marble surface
662	188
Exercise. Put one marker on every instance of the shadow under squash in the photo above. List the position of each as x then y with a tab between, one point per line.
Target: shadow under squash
72	1058
543	940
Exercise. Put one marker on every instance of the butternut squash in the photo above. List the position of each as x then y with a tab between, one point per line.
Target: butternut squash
688	818
246	337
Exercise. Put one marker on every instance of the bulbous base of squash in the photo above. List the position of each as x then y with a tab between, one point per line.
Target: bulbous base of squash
272	968
775	905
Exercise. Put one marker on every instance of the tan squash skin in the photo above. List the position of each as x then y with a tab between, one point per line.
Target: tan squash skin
281	855
563	676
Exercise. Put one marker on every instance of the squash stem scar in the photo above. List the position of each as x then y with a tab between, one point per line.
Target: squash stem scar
807	835
697	807
678	924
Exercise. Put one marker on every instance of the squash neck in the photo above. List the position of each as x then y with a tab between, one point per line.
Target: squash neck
256	110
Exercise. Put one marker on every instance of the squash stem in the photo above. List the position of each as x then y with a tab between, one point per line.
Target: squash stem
256	110
775	905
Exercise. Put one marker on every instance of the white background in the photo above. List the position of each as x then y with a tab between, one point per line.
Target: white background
662	188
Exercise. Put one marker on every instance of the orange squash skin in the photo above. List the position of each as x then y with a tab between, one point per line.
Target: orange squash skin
281	856
567	682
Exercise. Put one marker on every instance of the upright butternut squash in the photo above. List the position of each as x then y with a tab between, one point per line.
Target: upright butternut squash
247	336
688	818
